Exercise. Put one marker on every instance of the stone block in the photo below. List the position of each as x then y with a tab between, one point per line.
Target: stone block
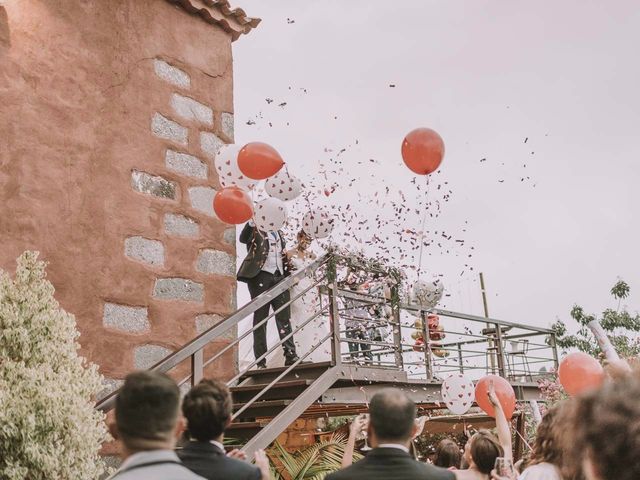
109	385
125	317
205	321
191	109
180	225
145	250
229	236
216	262
202	199
210	143
146	356
153	185
185	164
171	74
162	127
112	462
227	125
178	289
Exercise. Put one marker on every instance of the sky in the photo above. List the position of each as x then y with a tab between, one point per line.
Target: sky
539	107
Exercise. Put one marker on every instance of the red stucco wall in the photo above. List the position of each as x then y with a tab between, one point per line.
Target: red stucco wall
77	94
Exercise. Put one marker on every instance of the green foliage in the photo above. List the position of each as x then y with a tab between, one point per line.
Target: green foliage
49	428
313	463
621	327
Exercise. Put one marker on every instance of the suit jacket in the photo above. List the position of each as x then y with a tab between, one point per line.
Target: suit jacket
154	465
257	252
208	461
391	464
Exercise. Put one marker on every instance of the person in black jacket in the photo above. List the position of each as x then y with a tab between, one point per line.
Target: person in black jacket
265	265
207	408
391	428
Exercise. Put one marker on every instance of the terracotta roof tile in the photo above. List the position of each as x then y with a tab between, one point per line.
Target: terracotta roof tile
218	12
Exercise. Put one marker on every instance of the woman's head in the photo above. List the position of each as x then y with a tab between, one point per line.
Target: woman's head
602	434
481	451
447	454
546	447
304	240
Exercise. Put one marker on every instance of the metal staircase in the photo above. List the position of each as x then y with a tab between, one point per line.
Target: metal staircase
267	401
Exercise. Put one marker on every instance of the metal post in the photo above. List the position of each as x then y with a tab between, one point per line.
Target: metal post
554	350
486	315
397	335
501	369
427	346
460	357
197	360
336	352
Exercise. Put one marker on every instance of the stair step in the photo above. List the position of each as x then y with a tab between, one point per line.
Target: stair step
243	430
266	408
270	371
284	390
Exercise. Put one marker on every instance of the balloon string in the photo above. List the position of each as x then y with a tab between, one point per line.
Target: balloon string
525	442
424	221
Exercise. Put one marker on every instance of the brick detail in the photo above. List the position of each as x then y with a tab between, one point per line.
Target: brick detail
125	318
145	250
229	236
171	74
216	262
178	289
227	125
190	109
153	185
210	143
202	199
109	385
205	321
180	226
185	164
146	356
162	127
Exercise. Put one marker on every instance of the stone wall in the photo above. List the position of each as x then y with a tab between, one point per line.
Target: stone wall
111	114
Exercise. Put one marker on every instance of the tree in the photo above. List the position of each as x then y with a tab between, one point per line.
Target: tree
49	428
621	327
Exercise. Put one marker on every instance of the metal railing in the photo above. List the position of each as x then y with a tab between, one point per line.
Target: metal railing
389	347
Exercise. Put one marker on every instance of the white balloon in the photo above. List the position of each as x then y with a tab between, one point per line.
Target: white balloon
229	174
458	394
426	293
283	186
317	223
270	214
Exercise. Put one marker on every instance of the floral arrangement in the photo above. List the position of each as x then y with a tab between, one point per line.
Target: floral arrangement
48	425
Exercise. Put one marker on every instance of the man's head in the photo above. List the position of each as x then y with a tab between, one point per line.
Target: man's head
147	410
207	408
392	417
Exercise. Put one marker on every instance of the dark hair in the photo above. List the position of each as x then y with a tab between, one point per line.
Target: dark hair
604	426
447	454
547	446
207	408
147	407
484	450
393	415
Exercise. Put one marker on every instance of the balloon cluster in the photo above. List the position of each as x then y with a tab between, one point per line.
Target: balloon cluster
436	334
240	169
458	393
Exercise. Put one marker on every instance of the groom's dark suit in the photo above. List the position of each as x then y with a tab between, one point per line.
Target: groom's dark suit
259	248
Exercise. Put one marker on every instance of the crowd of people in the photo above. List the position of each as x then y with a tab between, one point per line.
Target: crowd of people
595	436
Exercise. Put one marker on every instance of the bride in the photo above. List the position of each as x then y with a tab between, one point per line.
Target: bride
305	307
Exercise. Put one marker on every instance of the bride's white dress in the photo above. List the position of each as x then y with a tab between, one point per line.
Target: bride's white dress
301	310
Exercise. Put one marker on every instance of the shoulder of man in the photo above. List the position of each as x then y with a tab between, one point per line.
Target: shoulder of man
176	472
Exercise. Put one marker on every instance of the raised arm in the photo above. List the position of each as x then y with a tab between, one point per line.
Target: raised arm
502	424
247	233
358	425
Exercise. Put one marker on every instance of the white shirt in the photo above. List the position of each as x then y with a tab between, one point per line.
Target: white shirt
394	445
217	444
541	471
274	259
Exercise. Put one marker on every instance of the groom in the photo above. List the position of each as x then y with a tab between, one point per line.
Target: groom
264	266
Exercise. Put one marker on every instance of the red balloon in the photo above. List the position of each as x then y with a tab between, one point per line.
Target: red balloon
233	205
580	372
258	160
504	391
422	151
